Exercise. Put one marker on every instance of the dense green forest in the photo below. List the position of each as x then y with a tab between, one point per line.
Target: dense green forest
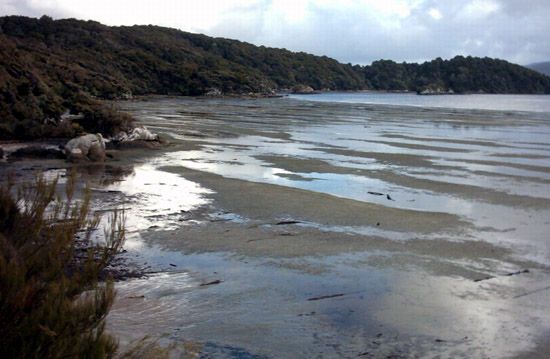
48	67
459	74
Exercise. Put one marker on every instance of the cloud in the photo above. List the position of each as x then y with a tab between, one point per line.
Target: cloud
435	14
478	9
356	31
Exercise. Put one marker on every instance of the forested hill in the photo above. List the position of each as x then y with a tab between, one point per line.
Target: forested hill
108	61
459	74
47	67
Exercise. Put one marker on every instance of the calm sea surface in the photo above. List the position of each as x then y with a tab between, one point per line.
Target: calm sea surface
531	103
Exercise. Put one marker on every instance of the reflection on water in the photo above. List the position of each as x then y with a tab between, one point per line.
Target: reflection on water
489	168
539	103
266	307
155	198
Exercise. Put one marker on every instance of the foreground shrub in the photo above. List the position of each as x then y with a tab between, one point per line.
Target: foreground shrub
51	303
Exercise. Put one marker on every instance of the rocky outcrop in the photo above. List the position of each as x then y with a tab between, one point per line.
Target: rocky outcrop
136	134
139	137
88	147
303	90
213	92
436	91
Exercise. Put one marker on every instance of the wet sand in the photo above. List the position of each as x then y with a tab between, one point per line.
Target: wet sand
309	260
265	235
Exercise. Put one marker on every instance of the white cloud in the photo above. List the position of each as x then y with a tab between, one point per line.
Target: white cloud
292	11
357	31
435	14
188	15
479	9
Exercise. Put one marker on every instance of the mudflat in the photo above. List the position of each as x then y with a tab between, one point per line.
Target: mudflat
324	229
285	228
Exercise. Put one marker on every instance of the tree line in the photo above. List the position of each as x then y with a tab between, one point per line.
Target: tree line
50	66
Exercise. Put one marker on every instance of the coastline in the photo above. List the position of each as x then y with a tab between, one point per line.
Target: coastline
276	203
282	264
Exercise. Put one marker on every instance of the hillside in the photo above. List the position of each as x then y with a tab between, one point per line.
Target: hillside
48	67
459	74
542	67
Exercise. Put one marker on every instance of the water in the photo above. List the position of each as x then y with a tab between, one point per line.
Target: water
529	103
402	201
490	168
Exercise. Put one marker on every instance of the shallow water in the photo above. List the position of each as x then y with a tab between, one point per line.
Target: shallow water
403	207
492	168
529	103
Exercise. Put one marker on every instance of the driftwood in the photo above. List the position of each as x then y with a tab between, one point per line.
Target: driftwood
217	281
381	194
326	297
504	275
281	223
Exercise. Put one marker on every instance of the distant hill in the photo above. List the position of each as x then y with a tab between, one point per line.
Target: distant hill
542	67
48	67
459	74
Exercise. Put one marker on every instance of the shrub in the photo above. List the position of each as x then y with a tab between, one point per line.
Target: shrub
51	302
100	117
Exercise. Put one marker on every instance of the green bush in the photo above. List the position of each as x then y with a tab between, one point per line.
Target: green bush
51	302
104	119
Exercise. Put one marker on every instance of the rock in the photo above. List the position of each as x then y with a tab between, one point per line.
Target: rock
91	147
1	153
75	155
97	153
142	133
36	152
435	91
213	92
127	96
136	134
67	116
302	89
139	137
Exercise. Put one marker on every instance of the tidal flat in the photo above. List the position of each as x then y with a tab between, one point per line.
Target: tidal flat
340	230
288	228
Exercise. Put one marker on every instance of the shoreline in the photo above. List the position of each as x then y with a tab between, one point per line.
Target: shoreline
281	264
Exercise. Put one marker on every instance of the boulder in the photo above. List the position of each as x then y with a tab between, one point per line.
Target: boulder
302	90
142	133
213	92
139	137
136	134
91	147
75	155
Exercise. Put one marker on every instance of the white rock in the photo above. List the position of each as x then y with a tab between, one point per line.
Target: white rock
138	133
87	146
142	133
75	154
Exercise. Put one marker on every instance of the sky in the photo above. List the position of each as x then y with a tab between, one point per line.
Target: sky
354	31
